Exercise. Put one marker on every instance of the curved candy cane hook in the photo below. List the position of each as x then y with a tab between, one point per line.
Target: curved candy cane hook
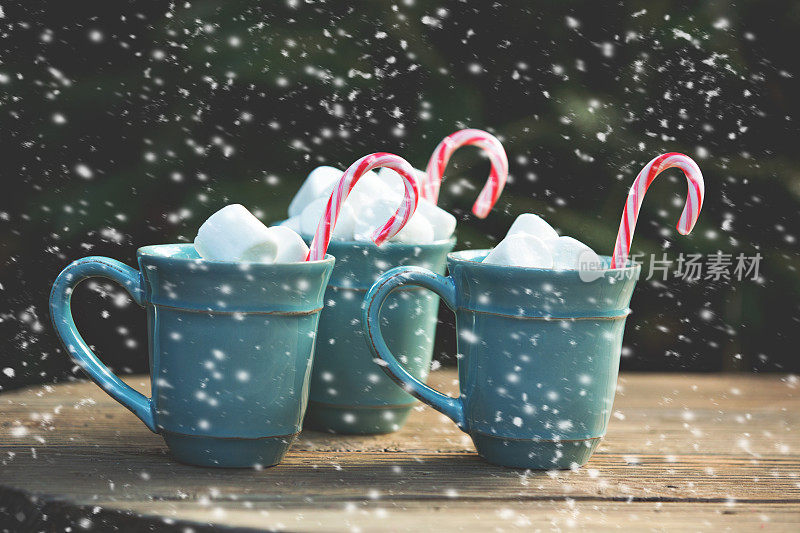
694	201
497	178
322	237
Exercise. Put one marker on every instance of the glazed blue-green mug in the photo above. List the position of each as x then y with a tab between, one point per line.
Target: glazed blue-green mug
538	354
349	395
230	348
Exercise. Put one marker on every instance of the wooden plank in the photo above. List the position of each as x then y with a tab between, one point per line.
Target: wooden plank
88	474
412	516
515	516
680	450
711	413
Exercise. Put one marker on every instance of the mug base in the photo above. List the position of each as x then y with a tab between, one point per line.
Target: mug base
535	454
350	420
228	452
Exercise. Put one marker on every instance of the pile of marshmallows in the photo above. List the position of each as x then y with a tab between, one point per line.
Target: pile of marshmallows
533	243
234	234
373	200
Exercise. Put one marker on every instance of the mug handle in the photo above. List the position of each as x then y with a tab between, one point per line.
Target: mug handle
370	313
61	314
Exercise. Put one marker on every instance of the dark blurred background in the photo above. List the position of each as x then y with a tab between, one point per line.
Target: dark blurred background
128	123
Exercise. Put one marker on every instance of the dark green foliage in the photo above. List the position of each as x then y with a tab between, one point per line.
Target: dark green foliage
176	111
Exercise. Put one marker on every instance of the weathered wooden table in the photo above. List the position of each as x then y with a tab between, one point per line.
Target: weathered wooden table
688	452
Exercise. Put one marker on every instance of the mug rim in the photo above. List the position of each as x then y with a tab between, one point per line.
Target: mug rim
147	251
454	257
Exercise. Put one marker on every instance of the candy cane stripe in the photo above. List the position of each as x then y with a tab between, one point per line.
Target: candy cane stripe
633	204
441	155
322	237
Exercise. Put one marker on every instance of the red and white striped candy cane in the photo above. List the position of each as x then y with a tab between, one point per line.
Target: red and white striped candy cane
497	178
694	201
319	245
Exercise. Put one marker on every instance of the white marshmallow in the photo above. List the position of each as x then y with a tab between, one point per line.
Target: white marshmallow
374	198
368	188
443	223
369	217
291	247
234	234
532	225
572	254
292	223
521	250
320	182
418	230
311	215
394	181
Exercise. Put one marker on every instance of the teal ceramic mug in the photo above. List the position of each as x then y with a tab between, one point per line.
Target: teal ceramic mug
349	394
538	355
230	348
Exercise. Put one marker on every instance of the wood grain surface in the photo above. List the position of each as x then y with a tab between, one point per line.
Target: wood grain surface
683	452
